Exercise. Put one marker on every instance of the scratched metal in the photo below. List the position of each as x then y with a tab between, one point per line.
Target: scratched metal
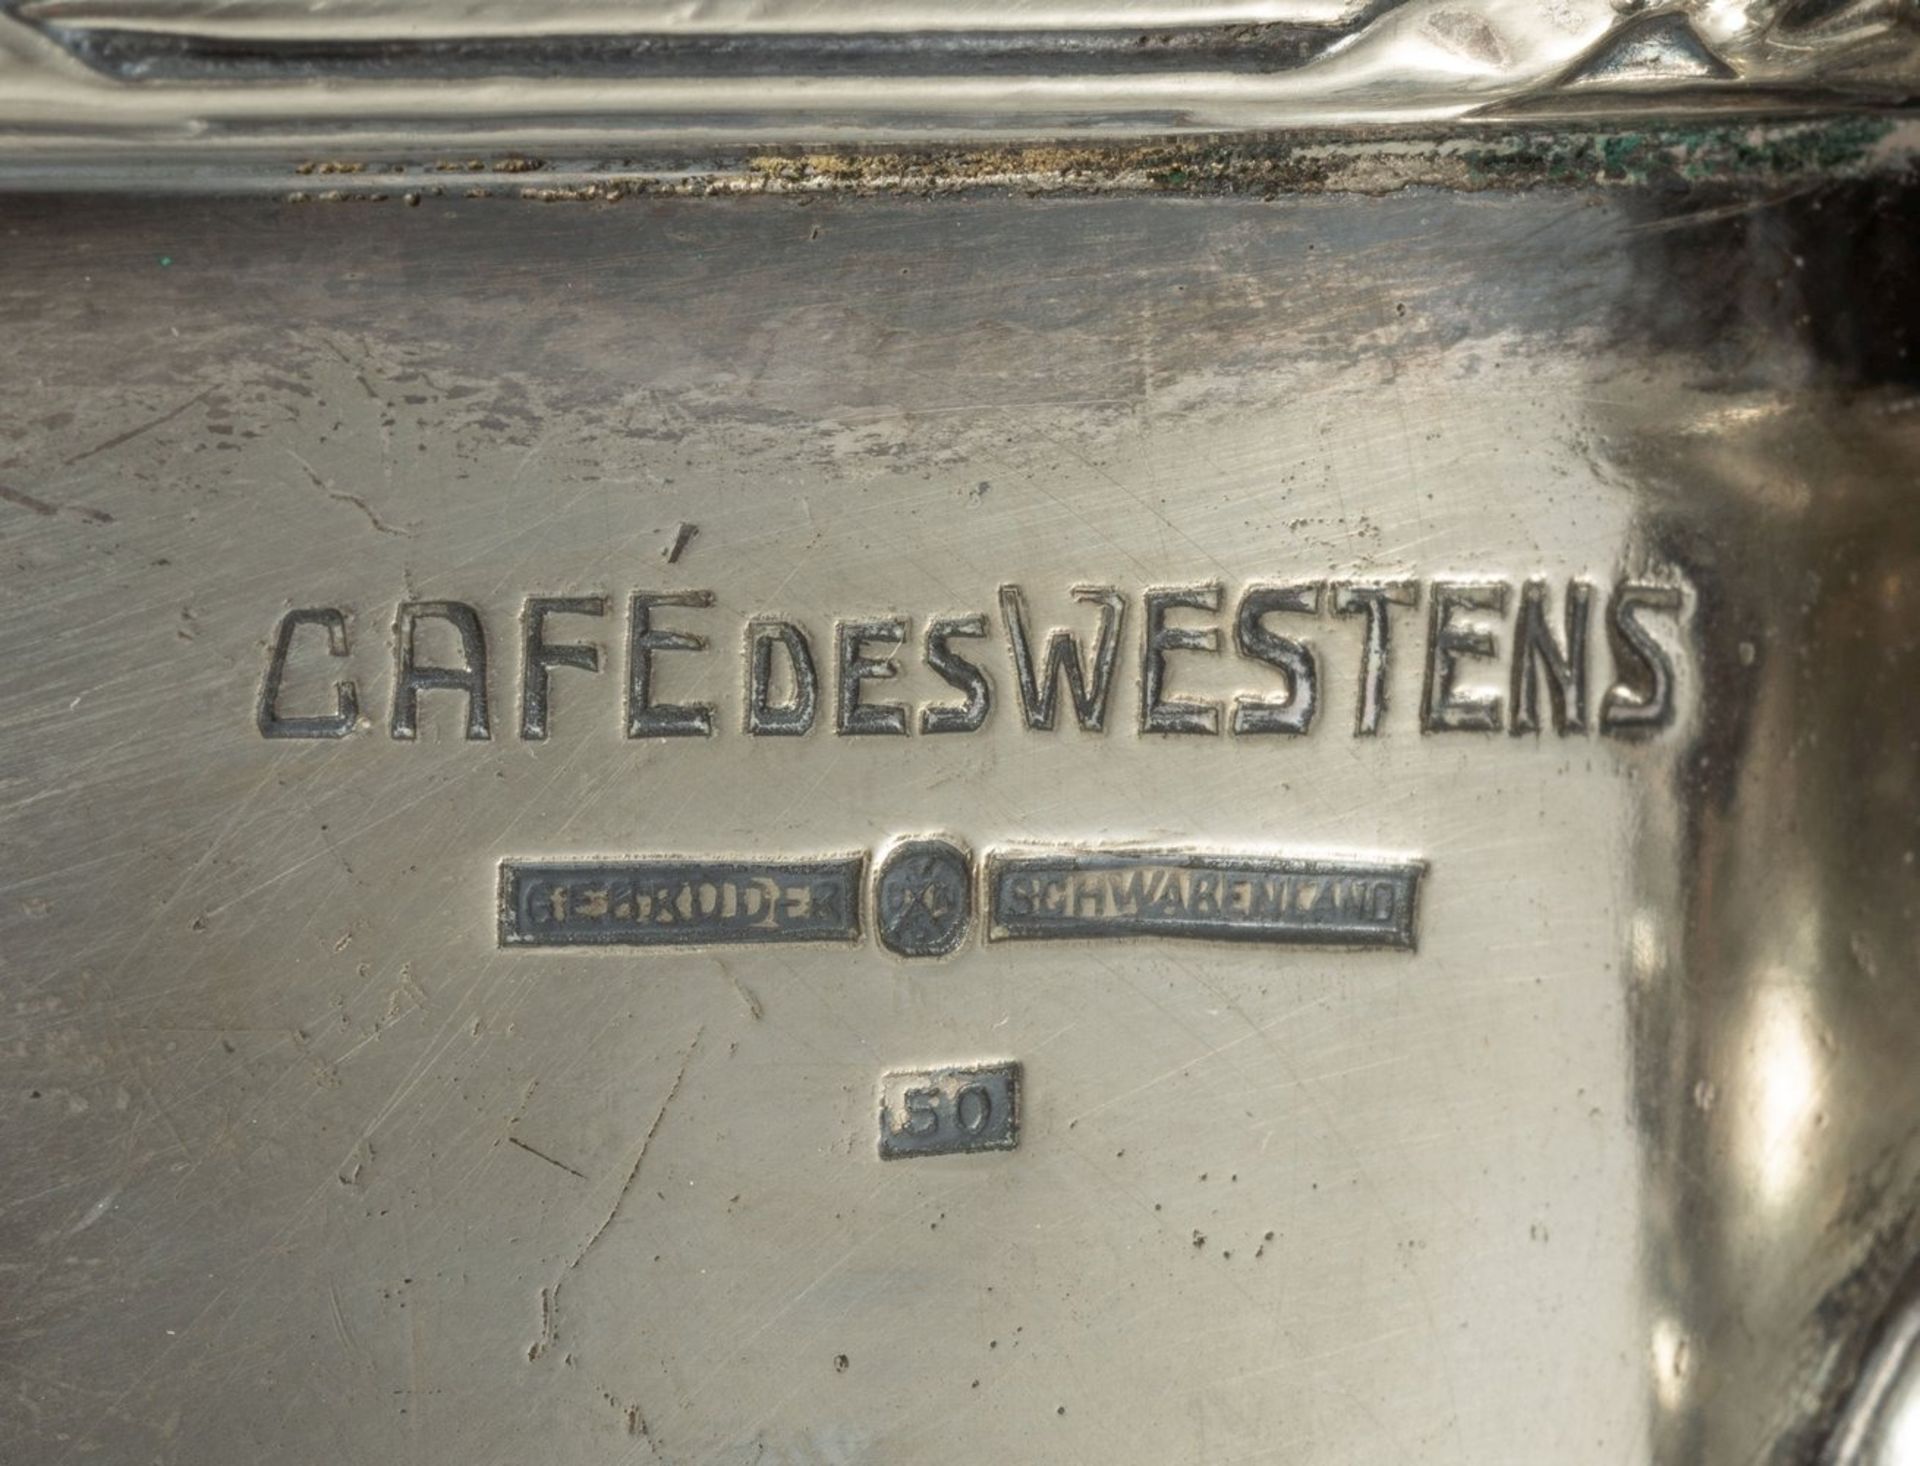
300	1163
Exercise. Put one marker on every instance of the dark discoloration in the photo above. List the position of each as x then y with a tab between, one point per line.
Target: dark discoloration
1494	154
679	903
132	54
956	1110
27	501
41	507
1184	894
923	898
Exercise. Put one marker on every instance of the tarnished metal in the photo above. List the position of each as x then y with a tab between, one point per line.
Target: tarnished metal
950	1111
1318	725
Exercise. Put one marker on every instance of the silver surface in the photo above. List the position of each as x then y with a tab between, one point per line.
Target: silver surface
164	86
1881	1423
300	1163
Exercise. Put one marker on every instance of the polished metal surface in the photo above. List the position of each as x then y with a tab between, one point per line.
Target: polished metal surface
1881	1423
1602	1151
100	84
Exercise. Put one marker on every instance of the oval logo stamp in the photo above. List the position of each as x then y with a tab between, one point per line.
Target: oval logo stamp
923	898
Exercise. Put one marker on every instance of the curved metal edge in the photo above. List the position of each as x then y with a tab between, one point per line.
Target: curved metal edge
1865	1431
108	83
1475	157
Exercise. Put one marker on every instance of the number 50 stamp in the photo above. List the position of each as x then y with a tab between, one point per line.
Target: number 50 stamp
949	1111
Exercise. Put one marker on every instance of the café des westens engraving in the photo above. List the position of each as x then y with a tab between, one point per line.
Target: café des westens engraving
1569	657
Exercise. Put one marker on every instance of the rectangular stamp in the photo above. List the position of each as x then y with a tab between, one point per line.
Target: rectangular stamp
1286	901
949	1111
679	902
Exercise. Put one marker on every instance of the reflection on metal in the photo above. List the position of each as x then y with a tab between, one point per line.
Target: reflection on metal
1784	1086
1881	1424
910	568
420	79
1655	48
1671	1356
